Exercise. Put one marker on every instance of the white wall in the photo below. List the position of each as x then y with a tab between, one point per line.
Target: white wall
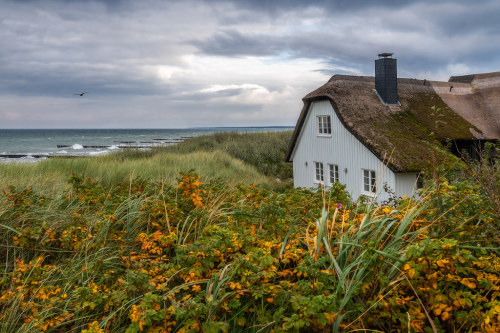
406	184
343	149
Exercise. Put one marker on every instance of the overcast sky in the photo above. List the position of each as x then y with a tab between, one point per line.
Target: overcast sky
176	64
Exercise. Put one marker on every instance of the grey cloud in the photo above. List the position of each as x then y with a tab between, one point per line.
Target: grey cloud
205	96
353	5
335	6
58	48
235	43
113	48
428	38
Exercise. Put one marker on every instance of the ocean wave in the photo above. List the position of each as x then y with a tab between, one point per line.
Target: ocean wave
77	146
93	153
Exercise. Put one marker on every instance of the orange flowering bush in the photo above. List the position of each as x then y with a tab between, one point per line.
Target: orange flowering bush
203	257
190	187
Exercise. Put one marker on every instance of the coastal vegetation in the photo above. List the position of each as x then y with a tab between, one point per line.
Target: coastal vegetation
229	156
141	242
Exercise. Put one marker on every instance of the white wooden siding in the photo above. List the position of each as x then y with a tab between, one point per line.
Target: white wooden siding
341	148
406	184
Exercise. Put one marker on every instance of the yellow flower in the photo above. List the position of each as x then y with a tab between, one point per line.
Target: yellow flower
386	210
135	313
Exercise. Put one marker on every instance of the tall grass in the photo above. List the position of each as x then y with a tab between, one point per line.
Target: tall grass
354	249
96	254
266	151
53	174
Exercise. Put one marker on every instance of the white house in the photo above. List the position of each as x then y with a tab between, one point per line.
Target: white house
374	134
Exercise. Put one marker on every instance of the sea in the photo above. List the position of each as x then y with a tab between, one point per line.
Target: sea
31	145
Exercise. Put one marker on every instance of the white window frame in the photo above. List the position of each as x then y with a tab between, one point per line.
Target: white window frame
369	179
324	125
333	173
319	175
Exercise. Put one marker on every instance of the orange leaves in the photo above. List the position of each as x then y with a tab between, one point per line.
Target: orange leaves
386	210
468	282
234	285
190	187
155	243
135	313
453	282
46	293
196	288
442	310
94	328
442	262
409	270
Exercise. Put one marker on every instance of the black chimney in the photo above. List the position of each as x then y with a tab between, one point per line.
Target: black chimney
386	79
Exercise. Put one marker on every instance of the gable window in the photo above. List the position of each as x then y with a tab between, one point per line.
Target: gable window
319	172
324	125
333	173
369	181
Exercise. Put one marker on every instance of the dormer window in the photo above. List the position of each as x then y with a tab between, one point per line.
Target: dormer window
324	125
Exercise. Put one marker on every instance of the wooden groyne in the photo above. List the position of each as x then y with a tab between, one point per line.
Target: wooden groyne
14	156
120	145
23	155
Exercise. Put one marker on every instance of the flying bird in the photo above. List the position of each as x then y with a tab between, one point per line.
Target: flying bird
81	94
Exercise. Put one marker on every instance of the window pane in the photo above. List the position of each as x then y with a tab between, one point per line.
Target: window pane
369	181
334	173
324	125
319	171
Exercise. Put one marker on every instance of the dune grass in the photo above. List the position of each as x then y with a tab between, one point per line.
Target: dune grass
53	174
266	151
229	156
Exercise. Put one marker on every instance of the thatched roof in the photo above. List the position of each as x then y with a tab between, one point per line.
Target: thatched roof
408	133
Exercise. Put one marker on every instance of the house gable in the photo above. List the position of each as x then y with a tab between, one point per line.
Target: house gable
307	106
340	150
